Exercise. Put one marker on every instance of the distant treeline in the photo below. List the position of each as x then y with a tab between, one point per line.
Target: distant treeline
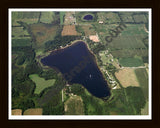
60	41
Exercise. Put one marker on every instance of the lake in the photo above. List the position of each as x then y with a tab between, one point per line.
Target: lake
88	17
78	65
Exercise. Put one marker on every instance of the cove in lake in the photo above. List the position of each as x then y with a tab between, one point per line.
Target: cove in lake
78	65
88	17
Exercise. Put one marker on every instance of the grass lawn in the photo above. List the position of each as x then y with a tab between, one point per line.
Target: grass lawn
131	62
62	17
41	83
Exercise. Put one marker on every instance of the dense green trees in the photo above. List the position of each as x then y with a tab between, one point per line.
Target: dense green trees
26	104
48	74
15	93
77	89
60	41
136	98
53	110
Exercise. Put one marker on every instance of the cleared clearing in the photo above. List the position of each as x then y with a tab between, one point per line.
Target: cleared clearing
74	106
41	83
127	77
33	111
69	30
17	112
94	38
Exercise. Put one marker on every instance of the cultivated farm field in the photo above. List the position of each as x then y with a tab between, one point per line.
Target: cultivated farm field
74	106
131	62
17	112
33	111
127	77
47	17
69	30
26	17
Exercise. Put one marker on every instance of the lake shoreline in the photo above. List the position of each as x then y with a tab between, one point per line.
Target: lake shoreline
74	43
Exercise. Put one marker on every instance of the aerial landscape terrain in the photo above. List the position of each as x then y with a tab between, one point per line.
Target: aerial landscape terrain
79	63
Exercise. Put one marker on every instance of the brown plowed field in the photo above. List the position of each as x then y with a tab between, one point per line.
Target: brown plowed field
69	30
33	111
17	112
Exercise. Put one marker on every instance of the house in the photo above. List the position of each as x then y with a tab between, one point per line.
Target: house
100	22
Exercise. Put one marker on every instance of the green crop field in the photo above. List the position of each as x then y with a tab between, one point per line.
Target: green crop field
131	62
47	17
41	83
127	16
108	17
129	53
62	17
127	42
19	33
21	42
140	18
134	30
142	77
27	17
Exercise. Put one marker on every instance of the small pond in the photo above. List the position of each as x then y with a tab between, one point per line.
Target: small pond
88	17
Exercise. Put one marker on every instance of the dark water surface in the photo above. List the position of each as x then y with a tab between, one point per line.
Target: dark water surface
78	65
88	17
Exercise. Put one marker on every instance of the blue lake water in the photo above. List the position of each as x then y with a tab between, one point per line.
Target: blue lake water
78	65
88	17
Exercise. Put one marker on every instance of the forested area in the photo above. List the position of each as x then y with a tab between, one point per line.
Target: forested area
60	41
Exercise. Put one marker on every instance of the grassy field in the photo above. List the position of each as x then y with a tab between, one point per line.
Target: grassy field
62	14
134	30
74	106
129	53
127	42
88	30
33	111
127	16
43	32
21	42
127	77
47	17
27	17
140	18
131	62
19	33
41	83
108	17
142	77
